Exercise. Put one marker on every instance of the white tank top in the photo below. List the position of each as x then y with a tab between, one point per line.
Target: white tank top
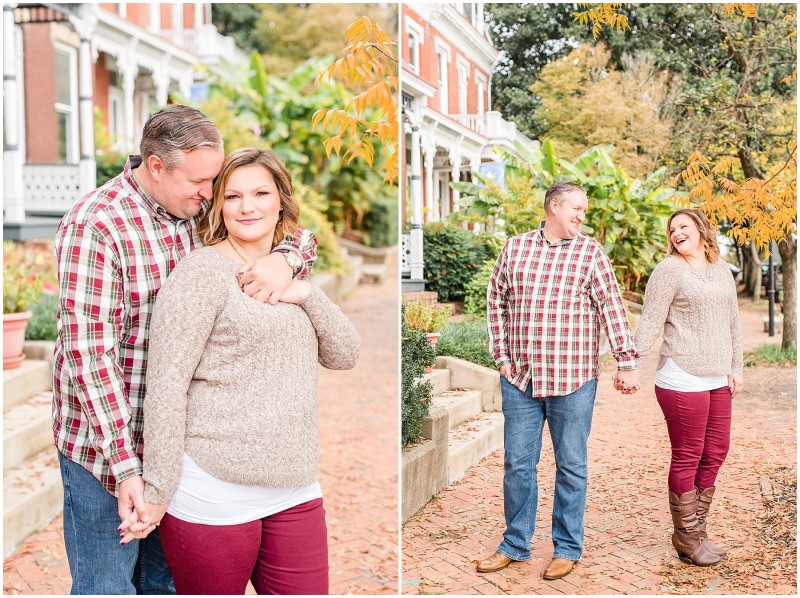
202	498
672	377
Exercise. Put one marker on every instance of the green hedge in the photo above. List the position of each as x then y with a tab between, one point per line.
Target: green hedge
381	222
42	326
467	340
452	256
475	298
417	354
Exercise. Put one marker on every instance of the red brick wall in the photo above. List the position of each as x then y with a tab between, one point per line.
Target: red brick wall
188	16
137	14
166	16
40	94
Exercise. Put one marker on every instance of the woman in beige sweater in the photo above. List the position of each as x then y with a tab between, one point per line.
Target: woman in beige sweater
692	296
231	439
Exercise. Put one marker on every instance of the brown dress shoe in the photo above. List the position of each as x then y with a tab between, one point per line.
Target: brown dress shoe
559	568
494	563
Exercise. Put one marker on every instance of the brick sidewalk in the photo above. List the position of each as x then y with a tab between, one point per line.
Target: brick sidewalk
359	440
628	525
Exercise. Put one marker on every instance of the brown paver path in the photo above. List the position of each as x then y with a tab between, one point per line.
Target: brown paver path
359	465
628	525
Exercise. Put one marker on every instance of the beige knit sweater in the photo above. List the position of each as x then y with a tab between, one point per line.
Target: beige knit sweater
232	382
700	318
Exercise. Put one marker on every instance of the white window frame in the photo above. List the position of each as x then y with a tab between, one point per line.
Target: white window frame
154	17
116	125
443	51
462	68
123	10
73	133
413	30
177	17
21	137
480	84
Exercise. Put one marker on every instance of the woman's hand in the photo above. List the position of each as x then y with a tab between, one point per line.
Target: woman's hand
296	292
138	530
735	383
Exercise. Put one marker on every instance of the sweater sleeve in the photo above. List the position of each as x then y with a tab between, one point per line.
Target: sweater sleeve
182	321
658	296
338	339
736	334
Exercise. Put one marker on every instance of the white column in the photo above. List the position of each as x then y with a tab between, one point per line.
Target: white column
415	259
161	83
13	184
430	201
128	70
185	85
199	13
85	26
455	161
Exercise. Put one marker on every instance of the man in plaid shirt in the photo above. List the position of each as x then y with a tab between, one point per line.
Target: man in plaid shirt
551	291
115	248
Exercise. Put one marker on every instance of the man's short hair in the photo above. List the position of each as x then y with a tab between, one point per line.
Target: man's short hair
177	129
558	189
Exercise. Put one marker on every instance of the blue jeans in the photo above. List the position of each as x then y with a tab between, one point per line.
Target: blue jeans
97	562
569	418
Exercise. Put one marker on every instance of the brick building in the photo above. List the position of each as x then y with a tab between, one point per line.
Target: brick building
450	129
64	62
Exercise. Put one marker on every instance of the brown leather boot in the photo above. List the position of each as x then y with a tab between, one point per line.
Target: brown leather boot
686	537
703	506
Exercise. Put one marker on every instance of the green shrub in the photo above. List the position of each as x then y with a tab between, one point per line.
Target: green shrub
467	340
475	298
771	354
42	325
451	257
381	222
417	354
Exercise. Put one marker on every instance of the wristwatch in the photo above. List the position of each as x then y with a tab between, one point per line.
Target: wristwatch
294	260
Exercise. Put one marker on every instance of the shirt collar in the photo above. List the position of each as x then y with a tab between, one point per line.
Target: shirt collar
151	205
543	240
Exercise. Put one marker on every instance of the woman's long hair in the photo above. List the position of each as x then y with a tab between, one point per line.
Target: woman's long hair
212	227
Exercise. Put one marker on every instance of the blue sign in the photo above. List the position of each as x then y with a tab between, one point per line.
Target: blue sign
494	171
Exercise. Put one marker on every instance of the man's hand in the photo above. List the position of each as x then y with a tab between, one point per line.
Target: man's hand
130	502
735	383
138	530
266	278
296	292
505	371
626	381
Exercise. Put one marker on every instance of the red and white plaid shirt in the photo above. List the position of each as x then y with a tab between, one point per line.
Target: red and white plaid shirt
545	306
115	248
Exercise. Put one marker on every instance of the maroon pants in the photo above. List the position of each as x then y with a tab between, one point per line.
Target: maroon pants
699	426
285	553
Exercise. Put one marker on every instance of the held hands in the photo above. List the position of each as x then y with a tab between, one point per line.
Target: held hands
626	381
138	517
735	383
266	278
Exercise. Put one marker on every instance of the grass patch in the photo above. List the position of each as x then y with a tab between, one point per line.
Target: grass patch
467	340
771	354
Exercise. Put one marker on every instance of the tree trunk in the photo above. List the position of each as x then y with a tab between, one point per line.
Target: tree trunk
756	272
747	267
788	252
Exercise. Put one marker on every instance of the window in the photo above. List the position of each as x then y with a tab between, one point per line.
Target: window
481	85
442	61
66	104
154	17
413	51
462	89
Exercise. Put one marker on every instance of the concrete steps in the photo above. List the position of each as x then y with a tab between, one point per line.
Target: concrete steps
27	429
32	490
30	378
32	496
475	428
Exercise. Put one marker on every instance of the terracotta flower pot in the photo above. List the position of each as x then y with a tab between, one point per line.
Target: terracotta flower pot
433	337
14	338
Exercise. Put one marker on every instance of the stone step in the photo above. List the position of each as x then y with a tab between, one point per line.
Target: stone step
472	441
461	405
21	383
32	496
440	378
27	429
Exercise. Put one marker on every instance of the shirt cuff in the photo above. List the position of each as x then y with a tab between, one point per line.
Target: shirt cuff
626	363
125	466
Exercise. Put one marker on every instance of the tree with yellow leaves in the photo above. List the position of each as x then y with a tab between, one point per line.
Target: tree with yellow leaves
369	68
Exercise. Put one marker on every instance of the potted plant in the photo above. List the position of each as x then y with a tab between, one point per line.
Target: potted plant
24	274
427	317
